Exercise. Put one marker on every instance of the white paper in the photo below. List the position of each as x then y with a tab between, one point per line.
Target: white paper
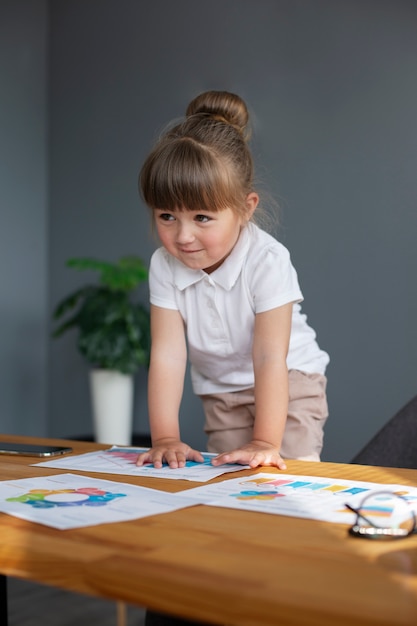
72	501
122	460
309	497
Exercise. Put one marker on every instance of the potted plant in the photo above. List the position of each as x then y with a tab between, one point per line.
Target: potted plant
113	336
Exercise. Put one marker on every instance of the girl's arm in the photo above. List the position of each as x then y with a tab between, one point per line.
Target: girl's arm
165	387
270	349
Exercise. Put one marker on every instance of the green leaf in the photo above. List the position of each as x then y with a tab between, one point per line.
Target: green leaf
71	323
71	301
125	275
113	330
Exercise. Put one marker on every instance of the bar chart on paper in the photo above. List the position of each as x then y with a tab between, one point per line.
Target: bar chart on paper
120	460
298	496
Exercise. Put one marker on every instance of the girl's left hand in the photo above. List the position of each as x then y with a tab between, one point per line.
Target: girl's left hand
254	453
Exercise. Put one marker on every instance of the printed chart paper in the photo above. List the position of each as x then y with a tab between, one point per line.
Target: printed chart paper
122	460
72	501
309	497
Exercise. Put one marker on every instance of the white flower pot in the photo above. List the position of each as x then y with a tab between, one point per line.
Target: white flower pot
112	403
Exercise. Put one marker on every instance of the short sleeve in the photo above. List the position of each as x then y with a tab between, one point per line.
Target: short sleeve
161	285
273	280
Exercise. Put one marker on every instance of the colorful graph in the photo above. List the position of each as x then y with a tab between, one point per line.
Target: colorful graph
131	455
72	501
295	484
121	460
83	496
256	495
310	497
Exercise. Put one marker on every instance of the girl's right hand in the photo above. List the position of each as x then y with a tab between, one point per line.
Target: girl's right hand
171	451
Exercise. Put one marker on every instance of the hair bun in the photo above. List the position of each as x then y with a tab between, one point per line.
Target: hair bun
221	105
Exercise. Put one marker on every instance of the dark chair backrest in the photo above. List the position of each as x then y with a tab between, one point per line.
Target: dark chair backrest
395	445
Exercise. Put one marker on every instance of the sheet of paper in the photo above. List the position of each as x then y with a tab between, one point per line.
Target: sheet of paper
122	460
72	501
309	497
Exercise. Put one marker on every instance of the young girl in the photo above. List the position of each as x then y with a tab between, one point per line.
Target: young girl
226	290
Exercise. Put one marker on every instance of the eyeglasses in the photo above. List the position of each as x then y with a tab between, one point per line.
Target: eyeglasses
383	515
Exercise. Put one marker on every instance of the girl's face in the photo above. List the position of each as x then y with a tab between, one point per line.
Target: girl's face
202	240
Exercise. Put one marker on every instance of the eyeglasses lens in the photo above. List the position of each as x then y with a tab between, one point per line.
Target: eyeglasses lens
384	516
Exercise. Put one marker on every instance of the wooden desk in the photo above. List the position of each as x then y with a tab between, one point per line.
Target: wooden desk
220	565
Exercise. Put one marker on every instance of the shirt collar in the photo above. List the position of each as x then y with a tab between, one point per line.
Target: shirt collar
225	276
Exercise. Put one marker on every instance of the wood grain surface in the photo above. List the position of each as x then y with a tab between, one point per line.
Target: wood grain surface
221	565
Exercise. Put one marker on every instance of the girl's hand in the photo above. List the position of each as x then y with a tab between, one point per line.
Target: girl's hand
172	451
253	454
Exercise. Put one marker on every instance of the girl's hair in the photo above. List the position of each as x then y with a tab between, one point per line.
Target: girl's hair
203	163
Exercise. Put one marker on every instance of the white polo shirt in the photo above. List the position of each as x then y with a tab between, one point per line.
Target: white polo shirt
219	310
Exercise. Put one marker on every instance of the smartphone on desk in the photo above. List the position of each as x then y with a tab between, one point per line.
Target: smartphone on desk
32	449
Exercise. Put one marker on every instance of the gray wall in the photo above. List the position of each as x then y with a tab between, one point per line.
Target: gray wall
23	217
332	85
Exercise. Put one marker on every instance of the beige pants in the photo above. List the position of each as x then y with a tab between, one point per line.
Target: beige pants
230	418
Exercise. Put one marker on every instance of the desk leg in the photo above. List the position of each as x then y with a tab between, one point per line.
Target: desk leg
3	600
